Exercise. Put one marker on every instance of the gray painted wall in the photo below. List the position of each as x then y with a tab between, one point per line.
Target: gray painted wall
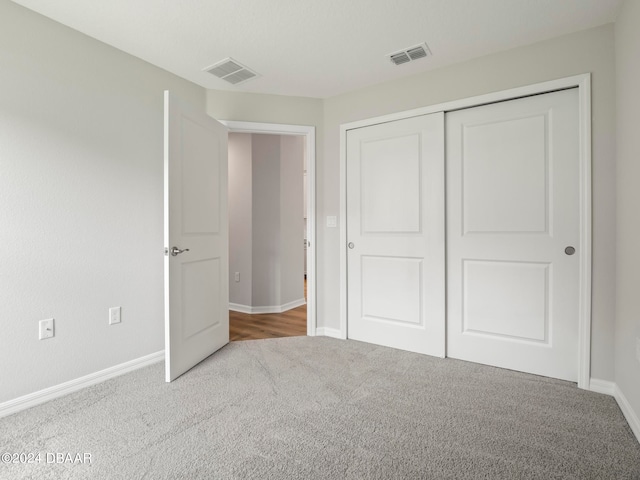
267	250
628	196
292	217
240	218
81	190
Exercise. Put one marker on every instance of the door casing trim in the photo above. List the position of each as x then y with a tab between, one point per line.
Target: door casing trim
309	133
583	83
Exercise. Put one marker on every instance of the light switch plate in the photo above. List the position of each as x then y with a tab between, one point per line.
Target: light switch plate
46	328
332	221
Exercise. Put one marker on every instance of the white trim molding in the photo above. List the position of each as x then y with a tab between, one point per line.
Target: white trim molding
309	132
628	412
329	332
51	393
602	386
236	307
611	388
584	309
583	83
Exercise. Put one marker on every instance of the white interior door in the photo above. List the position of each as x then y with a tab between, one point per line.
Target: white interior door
395	234
196	237
512	210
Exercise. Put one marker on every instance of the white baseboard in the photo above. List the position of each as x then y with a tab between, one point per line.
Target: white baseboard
328	332
236	307
628	412
42	396
611	388
602	386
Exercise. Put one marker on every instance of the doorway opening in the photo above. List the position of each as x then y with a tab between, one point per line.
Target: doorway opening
271	230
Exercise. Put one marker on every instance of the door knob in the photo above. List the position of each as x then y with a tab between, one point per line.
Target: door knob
569	250
350	245
176	251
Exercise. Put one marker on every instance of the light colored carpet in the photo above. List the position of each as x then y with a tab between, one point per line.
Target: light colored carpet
307	408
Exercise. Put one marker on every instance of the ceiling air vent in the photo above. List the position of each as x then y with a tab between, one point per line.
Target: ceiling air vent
231	71
412	53
400	58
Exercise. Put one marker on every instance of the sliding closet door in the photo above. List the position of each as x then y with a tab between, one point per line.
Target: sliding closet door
513	234
395	234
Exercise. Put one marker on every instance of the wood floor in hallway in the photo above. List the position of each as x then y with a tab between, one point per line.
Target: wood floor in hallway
244	326
292	323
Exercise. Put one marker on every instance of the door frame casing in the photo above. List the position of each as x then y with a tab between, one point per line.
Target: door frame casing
309	134
583	83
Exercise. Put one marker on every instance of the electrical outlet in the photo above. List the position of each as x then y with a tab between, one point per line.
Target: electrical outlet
114	315
237	276
46	329
638	348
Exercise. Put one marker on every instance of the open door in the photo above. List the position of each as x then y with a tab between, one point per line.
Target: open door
196	281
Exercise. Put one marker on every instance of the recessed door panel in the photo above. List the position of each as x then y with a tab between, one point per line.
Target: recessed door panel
506	299
201	297
200	177
391	289
390	179
504	175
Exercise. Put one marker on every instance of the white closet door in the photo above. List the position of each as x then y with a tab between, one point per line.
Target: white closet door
512	225
395	234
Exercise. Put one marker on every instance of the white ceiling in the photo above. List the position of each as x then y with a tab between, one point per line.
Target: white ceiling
318	48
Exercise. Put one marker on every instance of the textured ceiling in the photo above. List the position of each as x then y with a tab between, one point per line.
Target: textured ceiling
318	48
